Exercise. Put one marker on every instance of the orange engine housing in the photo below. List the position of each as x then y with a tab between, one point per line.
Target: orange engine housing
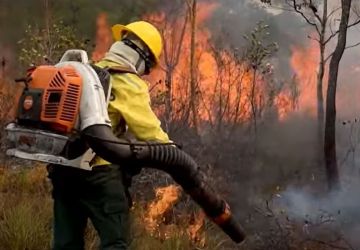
62	89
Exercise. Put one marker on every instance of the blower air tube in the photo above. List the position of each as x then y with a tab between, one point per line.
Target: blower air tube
168	158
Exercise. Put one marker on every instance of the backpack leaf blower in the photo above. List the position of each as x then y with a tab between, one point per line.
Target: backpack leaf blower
62	119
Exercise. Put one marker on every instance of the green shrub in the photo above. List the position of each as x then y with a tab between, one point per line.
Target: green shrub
42	46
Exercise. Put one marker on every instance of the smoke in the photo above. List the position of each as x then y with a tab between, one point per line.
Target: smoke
235	18
339	212
285	153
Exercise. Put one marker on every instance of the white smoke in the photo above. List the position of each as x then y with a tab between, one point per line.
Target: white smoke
338	212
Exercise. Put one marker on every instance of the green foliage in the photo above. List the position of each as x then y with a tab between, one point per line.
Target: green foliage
46	46
258	48
80	14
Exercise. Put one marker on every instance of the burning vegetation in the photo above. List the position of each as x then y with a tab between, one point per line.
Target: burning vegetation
235	87
303	62
255	133
166	197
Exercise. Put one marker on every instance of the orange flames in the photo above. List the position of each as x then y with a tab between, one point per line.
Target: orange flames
284	104
224	84
194	229
166	197
304	62
103	37
156	214
227	89
204	60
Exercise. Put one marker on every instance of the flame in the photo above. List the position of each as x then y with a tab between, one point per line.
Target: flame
194	229
284	105
103	37
225	85
166	197
304	62
181	76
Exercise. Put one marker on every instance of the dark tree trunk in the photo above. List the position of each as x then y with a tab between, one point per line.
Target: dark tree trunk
320	96
193	96
320	108
330	142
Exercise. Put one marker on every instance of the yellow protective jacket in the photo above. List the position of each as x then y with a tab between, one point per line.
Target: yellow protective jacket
130	105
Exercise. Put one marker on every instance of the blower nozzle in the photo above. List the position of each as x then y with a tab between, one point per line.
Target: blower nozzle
229	225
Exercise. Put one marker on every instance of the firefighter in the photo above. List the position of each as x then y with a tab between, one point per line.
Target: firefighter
101	195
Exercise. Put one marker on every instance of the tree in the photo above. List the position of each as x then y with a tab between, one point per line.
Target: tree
192	4
324	25
242	87
258	50
330	142
36	48
47	44
177	15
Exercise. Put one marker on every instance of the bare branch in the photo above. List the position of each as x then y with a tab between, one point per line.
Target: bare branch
177	57
347	47
280	8
314	11
333	12
337	32
313	38
353	45
331	28
294	5
188	3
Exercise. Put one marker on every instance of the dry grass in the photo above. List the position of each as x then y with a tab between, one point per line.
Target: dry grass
26	222
26	213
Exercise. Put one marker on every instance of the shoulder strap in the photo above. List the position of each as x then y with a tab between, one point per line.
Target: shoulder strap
120	69
104	77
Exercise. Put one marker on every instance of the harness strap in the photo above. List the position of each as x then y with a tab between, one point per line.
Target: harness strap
120	69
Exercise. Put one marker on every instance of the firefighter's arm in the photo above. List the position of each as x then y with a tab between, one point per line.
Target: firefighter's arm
132	100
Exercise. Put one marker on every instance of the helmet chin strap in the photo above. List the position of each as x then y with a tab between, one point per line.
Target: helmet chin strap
143	56
140	66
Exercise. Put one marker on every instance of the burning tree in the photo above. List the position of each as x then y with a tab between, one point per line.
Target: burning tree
243	85
325	28
232	84
176	16
256	54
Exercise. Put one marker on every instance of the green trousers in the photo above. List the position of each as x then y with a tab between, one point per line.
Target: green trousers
98	195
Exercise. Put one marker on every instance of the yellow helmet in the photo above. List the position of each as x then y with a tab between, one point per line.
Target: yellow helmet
145	31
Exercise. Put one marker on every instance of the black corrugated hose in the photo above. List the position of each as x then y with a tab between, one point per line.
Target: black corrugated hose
172	160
